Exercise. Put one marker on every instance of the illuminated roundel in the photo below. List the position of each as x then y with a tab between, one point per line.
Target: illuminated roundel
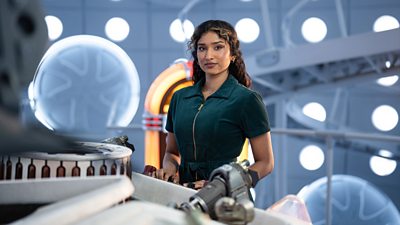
388	64
385	22
385	118
311	157
382	166
247	30
117	29
54	27
83	85
179	33
314	29
315	110
388	81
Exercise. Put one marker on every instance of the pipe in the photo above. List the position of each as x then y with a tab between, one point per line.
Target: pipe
337	134
267	24
182	17
287	21
342	21
329	171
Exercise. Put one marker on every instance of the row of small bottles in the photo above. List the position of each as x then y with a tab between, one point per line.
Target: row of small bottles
6	170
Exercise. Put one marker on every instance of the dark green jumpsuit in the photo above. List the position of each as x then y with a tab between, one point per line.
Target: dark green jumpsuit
210	133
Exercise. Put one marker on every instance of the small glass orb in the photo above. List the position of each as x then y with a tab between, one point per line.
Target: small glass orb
54	27
388	81
311	157
179	33
117	29
382	166
385	22
315	110
314	29
385	118
247	30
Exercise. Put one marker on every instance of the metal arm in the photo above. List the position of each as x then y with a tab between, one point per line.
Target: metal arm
226	197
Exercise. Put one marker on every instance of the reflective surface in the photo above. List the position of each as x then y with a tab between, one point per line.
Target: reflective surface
85	84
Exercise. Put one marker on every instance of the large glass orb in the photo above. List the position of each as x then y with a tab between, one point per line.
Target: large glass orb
354	201
85	84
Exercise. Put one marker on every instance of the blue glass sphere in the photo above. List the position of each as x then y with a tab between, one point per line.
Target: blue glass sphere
354	201
83	85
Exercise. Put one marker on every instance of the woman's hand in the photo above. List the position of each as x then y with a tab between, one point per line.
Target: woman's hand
196	185
171	161
162	174
166	174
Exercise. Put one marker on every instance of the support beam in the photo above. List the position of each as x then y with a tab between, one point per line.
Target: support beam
326	52
345	82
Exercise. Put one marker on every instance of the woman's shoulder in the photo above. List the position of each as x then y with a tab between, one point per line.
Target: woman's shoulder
245	92
184	91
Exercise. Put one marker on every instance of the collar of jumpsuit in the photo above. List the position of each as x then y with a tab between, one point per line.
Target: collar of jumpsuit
223	92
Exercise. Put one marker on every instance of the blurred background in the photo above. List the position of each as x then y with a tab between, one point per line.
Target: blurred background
328	71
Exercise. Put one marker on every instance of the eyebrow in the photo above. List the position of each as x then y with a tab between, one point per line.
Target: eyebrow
213	43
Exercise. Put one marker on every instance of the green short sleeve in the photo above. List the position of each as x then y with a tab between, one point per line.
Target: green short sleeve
254	116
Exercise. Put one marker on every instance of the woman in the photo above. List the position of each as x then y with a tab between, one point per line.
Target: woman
208	122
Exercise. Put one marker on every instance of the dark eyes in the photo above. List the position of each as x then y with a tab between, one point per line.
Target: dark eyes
216	48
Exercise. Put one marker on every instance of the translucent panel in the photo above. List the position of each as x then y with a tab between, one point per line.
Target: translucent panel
85	84
179	33
314	29
385	118
54	27
292	206
247	30
384	23
311	157
117	29
315	110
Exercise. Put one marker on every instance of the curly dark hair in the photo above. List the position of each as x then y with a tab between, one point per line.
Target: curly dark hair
225	31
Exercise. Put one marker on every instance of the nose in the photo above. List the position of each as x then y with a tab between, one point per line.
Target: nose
208	54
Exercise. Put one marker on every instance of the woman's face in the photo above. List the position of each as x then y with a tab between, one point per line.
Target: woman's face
213	54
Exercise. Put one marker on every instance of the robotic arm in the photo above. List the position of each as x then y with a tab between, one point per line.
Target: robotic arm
226	197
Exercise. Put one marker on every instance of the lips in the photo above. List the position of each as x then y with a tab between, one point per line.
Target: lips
210	65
